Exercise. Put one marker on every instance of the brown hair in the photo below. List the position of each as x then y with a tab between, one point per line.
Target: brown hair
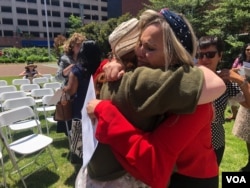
76	38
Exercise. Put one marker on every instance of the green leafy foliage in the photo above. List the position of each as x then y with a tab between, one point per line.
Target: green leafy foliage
21	55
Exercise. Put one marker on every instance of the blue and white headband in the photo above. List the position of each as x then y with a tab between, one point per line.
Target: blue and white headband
179	27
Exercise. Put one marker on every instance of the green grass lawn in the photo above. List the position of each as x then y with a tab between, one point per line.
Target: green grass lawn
235	157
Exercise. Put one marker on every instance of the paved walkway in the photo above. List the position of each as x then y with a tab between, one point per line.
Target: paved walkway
14	69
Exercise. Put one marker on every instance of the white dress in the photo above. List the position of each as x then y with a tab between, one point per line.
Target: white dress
126	181
241	126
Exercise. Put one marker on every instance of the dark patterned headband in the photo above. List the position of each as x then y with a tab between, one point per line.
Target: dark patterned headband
179	27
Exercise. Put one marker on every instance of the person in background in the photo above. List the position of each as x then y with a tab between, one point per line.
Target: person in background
71	49
89	58
152	51
30	71
237	64
241	127
209	54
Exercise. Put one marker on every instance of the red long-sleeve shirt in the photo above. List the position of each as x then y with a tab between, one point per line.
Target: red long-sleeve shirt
181	140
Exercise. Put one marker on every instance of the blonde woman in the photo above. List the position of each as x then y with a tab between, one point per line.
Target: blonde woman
71	48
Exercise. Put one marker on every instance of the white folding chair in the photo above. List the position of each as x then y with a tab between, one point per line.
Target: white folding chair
40	80
31	144
19	102
2	166
48	108
3	83
10	95
18	82
53	85
28	87
47	76
7	88
53	79
37	94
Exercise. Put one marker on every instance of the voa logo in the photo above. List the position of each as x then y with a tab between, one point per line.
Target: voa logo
236	179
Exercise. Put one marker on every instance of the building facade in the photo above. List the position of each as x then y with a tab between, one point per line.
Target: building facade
114	8
37	20
133	6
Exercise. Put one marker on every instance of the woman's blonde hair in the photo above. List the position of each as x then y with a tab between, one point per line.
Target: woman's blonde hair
175	53
76	38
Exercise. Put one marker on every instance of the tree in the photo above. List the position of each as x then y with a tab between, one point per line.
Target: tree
75	23
101	31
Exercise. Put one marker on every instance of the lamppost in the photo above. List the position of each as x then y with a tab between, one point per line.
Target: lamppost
47	26
81	13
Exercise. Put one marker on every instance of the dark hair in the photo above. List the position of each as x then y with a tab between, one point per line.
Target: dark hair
89	56
243	56
206	41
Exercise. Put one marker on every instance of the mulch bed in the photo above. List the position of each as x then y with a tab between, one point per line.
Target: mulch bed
16	69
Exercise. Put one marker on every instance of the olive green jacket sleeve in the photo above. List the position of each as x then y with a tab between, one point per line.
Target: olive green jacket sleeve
146	94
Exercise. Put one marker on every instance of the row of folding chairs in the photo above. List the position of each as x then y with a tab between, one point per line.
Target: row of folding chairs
36	99
39	80
34	90
46	78
31	143
25	85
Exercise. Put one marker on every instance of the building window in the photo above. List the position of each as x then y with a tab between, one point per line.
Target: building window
104	18
104	9
56	24
44	24
87	7
67	4
8	33
1	33
47	2
21	10
45	34
67	25
32	11
86	17
48	13
20	0
7	21
104	0
76	14
94	7
33	23
55	3
56	14
31	1
67	14
34	34
94	17
56	34
75	5
6	9
22	22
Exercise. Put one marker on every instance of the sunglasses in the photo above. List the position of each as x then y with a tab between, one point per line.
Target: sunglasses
208	55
